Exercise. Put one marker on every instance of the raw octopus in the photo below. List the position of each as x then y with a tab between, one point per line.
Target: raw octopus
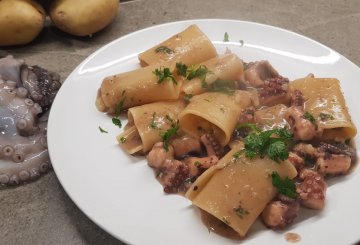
26	94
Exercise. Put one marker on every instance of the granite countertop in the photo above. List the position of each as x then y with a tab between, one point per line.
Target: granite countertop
41	212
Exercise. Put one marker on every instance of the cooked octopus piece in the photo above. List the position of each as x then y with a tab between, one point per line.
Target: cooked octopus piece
212	145
186	146
337	148
279	214
257	72
333	164
158	155
197	165
297	98
297	161
247	115
274	91
302	128
303	149
312	189
173	175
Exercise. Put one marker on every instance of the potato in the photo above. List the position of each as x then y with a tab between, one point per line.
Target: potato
20	21
82	18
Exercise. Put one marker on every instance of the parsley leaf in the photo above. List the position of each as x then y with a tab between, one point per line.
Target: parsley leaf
181	69
153	123
226	37
252	126
325	116
308	116
222	86
278	151
119	107
116	121
285	186
204	84
172	131
200	72
102	130
236	155
271	142
164	49
188	97
240	211
192	72
163	74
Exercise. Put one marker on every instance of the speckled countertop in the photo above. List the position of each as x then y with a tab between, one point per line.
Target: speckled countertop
41	212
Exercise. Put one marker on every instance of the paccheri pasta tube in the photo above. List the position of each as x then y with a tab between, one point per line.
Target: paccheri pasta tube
272	117
325	101
214	112
145	124
237	189
223	67
134	88
191	46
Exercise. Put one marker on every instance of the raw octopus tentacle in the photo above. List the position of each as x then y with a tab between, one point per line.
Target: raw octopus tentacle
23	144
24	110
41	84
10	69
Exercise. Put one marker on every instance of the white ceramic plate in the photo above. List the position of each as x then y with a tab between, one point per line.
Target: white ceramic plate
119	192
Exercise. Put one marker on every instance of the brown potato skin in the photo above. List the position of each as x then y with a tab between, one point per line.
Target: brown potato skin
20	21
83	18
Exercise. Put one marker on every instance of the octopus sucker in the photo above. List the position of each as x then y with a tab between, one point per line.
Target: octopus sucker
26	93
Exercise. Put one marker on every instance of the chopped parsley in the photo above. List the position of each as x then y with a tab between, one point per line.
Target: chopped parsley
204	84
226	37
181	69
164	49
252	126
188	97
240	211
236	155
102	130
192	72
197	164
119	107
325	116
309	117
285	186
200	72
222	86
153	123
272	143
163	74
117	122
172	131
123	140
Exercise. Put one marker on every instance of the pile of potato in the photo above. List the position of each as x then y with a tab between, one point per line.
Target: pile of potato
22	20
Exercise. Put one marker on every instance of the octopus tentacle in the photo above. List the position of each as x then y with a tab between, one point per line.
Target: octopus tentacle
212	145
23	145
29	169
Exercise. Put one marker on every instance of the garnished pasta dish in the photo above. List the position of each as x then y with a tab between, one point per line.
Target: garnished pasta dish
236	138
